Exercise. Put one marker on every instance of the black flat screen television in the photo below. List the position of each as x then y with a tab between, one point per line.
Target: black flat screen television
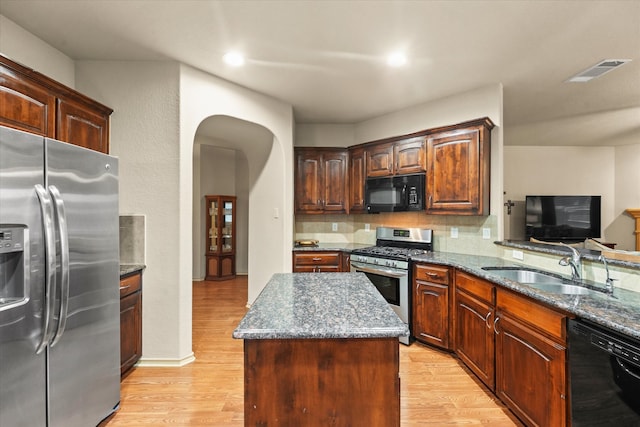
562	218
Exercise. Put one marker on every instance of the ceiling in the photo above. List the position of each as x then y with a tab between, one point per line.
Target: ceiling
327	58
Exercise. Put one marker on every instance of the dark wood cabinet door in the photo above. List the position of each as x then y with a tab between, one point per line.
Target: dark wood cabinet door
458	168
317	262
130	330
379	160
25	105
308	184
431	313
81	126
474	338
335	192
530	373
409	156
357	180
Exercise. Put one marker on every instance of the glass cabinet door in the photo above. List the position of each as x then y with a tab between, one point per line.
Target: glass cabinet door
227	226
213	229
220	237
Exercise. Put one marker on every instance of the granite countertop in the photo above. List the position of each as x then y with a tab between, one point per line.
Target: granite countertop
620	312
126	269
331	247
320	305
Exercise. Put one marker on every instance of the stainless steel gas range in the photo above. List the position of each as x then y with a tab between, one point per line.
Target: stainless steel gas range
388	265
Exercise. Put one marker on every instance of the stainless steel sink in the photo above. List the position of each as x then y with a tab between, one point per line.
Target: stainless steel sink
524	275
548	282
562	288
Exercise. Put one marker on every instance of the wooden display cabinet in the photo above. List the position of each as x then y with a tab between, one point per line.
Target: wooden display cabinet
220	212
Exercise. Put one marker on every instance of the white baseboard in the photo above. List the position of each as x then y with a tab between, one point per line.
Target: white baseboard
166	363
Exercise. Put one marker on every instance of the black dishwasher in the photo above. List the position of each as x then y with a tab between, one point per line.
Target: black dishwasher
604	369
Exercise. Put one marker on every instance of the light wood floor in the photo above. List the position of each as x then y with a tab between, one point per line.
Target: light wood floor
436	389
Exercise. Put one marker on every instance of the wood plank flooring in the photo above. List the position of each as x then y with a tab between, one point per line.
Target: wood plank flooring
436	389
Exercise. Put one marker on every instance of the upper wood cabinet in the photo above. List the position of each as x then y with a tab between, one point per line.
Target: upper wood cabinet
32	102
357	179
321	180
379	160
409	156
458	169
399	157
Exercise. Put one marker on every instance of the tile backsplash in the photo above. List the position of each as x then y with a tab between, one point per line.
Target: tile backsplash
353	229
132	237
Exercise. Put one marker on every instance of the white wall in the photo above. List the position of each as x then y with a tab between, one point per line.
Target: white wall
144	135
608	171
627	195
324	135
23	47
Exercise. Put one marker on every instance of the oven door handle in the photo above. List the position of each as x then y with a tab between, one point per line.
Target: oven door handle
379	271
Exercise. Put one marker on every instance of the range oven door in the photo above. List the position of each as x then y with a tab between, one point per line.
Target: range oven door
393	285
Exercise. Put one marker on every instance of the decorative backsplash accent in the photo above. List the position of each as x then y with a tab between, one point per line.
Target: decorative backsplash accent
132	237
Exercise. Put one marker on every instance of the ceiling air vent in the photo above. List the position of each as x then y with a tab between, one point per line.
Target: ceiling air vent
597	70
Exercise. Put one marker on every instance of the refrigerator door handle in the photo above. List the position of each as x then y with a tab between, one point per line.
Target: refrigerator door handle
46	209
61	222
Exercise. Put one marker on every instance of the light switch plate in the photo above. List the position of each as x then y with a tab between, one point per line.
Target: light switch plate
518	255
486	233
367	227
454	232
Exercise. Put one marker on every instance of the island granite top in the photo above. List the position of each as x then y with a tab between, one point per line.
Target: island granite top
320	306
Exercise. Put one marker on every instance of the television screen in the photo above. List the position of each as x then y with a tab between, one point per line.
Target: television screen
562	218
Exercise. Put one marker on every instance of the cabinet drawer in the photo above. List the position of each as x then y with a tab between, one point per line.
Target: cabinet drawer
431	273
130	284
317	258
476	287
538	316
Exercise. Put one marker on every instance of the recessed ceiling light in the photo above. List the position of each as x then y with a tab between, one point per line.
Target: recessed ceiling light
233	58
598	70
396	59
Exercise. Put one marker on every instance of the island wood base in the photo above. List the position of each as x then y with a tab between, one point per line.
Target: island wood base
321	382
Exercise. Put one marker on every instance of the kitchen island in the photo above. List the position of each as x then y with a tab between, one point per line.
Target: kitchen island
321	349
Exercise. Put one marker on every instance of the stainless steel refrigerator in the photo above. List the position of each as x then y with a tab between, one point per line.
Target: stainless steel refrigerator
59	283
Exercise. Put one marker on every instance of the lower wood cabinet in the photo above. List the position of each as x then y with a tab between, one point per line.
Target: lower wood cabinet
317	262
322	382
474	315
516	346
431	302
130	320
531	353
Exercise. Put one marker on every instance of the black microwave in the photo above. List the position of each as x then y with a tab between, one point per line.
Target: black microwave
395	193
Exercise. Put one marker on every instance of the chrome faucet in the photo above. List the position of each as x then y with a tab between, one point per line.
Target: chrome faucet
574	261
609	282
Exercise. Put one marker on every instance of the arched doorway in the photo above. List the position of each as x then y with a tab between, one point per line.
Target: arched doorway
228	156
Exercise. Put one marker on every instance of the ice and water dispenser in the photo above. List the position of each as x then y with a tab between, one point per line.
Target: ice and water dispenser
13	265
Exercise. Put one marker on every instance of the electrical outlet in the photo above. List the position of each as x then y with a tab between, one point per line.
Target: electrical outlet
367	227
518	255
334	226
454	232
486	233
